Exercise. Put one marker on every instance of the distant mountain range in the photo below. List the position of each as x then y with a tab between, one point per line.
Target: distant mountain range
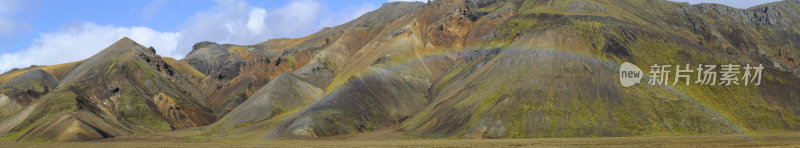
443	69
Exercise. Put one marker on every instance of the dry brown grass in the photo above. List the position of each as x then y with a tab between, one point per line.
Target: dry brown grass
58	71
181	66
733	140
11	75
284	43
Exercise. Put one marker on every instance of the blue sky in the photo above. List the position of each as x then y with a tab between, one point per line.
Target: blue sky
45	32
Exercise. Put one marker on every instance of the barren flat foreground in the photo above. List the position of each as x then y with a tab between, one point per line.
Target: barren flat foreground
733	140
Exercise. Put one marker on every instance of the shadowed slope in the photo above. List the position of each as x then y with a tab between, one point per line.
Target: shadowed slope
124	89
524	69
283	94
24	90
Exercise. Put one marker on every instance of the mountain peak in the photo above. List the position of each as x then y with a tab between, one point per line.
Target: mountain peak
123	42
125	39
122	45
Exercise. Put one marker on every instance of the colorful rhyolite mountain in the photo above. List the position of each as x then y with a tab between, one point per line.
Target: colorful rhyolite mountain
443	69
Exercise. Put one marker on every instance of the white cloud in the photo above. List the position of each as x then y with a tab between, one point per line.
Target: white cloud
230	21
237	22
256	21
80	41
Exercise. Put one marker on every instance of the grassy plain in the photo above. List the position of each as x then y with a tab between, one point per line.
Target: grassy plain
395	139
